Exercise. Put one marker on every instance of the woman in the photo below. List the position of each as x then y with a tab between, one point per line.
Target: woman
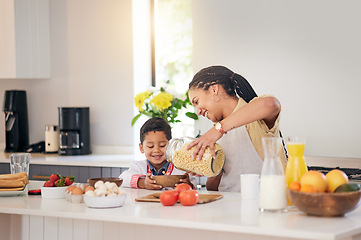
241	120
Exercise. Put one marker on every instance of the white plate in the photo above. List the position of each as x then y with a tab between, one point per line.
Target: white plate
12	193
104	202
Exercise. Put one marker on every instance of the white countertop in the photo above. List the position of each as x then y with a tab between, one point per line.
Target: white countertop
91	160
229	214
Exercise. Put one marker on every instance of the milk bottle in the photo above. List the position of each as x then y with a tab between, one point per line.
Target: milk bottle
273	195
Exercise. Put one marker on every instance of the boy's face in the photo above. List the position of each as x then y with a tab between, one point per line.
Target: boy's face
153	147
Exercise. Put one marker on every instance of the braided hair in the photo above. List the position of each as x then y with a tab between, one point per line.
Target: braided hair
233	83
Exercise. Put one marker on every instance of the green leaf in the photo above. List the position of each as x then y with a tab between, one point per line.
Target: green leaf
136	118
192	115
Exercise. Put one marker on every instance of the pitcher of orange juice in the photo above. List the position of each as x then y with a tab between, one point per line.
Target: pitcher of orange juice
296	164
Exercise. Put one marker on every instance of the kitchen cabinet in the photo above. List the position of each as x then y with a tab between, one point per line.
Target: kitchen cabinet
81	173
24	39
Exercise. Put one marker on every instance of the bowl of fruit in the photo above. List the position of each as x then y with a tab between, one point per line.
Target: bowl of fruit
56	185
325	195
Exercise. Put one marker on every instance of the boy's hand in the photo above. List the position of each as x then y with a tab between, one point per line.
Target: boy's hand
150	184
185	180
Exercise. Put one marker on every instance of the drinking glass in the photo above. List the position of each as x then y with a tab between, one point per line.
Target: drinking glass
19	162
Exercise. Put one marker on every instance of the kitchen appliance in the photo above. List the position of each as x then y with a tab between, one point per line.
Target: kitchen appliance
51	139
74	131
16	120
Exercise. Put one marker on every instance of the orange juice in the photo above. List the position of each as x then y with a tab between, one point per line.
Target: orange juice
296	165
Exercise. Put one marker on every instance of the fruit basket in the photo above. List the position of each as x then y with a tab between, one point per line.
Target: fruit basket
325	204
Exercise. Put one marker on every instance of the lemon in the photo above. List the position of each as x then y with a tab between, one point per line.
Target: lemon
335	178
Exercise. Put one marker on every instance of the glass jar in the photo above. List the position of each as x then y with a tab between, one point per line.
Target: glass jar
272	192
296	164
182	158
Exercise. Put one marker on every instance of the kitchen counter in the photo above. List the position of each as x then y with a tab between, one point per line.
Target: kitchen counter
124	160
91	160
227	218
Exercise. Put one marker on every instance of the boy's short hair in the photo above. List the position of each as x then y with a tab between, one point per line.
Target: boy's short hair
155	124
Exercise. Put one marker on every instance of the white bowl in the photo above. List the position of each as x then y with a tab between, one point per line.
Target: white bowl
53	192
104	202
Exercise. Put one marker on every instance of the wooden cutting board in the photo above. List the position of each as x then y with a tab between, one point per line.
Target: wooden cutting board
203	198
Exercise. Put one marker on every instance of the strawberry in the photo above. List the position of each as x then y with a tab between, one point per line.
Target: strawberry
69	180
54	177
48	184
59	183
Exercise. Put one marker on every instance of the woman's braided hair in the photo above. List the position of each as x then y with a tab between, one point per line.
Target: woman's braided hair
233	83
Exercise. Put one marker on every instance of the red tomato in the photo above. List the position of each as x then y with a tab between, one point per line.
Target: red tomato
182	187
189	197
169	197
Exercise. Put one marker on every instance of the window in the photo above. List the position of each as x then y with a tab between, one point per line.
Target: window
173	43
172	50
167	58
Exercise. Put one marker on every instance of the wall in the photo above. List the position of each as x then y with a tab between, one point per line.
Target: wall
306	53
91	65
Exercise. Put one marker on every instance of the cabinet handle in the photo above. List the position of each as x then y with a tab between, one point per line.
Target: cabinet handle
41	177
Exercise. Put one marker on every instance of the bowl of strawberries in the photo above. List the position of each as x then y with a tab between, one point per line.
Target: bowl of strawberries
56	185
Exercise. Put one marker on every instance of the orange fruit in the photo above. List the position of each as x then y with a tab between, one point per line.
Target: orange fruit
316	179
295	186
335	178
308	188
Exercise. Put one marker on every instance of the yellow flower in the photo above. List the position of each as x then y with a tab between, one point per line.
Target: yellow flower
140	98
162	101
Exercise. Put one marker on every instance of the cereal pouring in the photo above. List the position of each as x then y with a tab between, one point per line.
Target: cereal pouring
182	158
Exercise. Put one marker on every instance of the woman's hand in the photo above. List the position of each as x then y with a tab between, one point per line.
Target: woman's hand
149	183
206	140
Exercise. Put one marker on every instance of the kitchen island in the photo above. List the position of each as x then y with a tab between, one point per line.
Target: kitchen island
35	218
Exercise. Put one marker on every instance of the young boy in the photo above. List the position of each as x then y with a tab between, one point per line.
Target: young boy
154	136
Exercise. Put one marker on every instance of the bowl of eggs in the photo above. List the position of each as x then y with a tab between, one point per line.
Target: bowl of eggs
105	195
117	181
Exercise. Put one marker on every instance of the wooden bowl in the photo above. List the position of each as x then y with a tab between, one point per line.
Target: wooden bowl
118	181
168	180
325	204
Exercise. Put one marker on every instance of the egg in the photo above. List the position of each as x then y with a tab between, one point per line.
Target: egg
77	191
80	185
90	193
107	184
98	184
69	189
100	192
89	188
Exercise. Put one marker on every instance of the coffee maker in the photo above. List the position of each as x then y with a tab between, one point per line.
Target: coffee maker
16	121
74	131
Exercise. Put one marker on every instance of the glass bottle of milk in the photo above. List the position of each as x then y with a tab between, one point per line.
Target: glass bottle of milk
272	195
